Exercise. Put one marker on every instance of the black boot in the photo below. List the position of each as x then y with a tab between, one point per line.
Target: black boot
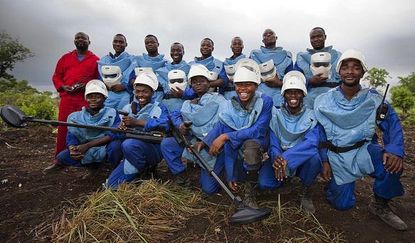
380	207
182	179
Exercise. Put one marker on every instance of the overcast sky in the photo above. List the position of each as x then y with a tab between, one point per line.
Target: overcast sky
383	30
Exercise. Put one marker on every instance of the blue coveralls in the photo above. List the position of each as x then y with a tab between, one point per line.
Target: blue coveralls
76	136
283	64
147	61
302	64
118	100
368	159
207	112
254	127
296	138
162	74
139	154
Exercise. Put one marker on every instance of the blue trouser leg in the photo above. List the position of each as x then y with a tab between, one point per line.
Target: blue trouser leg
124	172
64	158
141	154
309	170
114	153
341	197
172	154
208	183
386	185
267	178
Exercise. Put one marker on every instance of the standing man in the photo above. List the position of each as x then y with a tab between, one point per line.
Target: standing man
304	64
350	115
72	72
229	65
274	63
214	65
118	96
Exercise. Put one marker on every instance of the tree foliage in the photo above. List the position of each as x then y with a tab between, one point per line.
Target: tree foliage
11	52
403	99
408	81
15	86
377	77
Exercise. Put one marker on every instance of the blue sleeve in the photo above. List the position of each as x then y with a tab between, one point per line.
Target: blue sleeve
323	138
392	133
274	147
116	124
218	129
189	93
289	68
176	118
258	130
71	139
222	75
161	122
306	149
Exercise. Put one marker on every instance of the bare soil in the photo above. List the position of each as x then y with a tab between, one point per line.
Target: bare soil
31	201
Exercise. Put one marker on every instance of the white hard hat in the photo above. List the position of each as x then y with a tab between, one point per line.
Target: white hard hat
177	79
268	70
294	80
230	71
199	70
321	64
352	54
96	86
149	79
111	75
247	70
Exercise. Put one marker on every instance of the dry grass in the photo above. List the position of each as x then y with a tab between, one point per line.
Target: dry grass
155	211
150	212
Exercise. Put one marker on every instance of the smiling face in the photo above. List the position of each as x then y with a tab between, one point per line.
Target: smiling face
81	41
95	101
317	39
143	94
206	48
351	71
294	100
176	52
119	43
245	91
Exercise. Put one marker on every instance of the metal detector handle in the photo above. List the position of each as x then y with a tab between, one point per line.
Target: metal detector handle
205	165
382	110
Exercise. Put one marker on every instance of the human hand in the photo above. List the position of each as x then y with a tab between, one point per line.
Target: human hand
217	144
318	79
75	153
199	146
184	130
326	173
233	186
117	88
280	166
176	93
392	163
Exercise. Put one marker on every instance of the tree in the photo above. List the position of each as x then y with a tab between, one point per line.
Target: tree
15	86
408	81
377	77
403	99
11	52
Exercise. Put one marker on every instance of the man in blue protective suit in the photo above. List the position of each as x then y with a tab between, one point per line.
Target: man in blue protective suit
115	70
203	113
214	66
229	65
89	147
240	137
274	63
149	62
350	115
143	115
316	79
294	141
170	78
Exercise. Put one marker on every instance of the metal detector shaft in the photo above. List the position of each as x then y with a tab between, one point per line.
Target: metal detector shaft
155	137
188	145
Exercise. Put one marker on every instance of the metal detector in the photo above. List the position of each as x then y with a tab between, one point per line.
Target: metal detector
16	118
244	214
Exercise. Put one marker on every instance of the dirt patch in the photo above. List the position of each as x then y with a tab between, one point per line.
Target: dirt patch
30	201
